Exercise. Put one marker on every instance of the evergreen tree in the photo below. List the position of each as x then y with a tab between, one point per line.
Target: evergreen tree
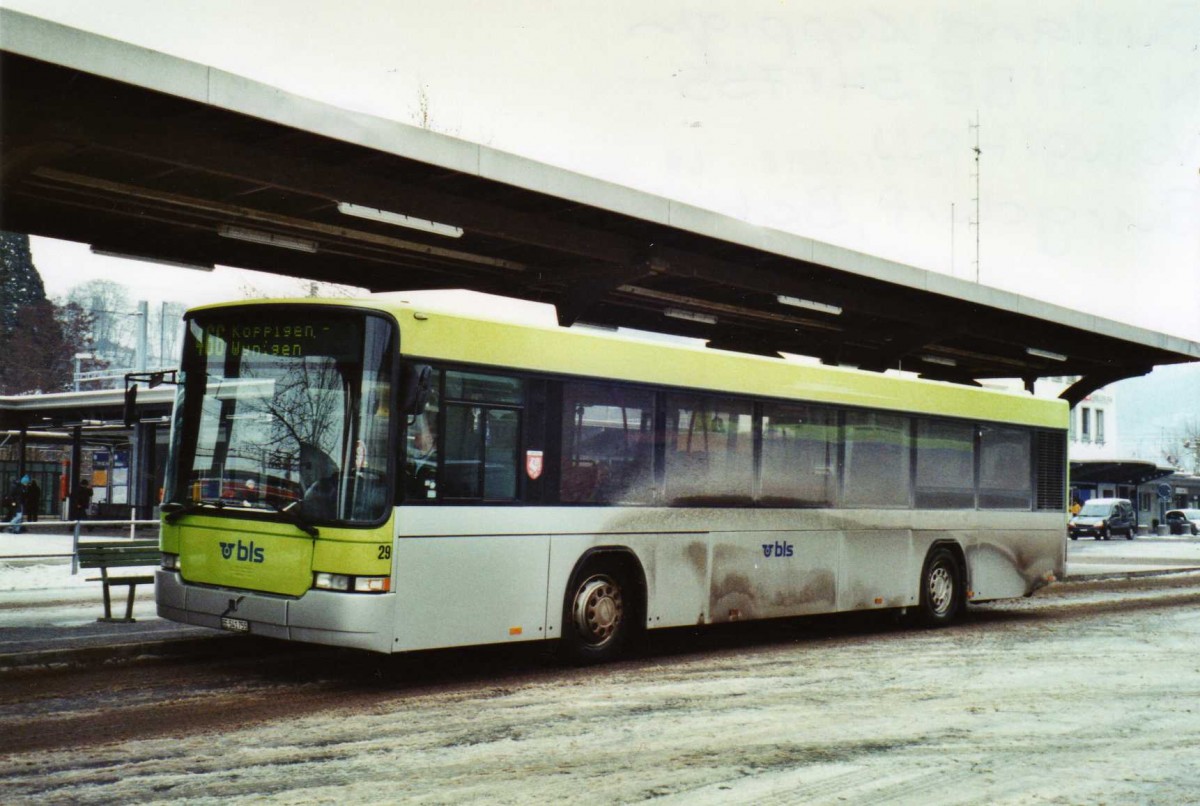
20	283
38	339
36	356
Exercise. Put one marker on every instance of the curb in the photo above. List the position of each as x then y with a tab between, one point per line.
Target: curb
109	653
1110	575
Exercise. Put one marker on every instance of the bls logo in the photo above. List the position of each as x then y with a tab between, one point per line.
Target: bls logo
783	549
245	554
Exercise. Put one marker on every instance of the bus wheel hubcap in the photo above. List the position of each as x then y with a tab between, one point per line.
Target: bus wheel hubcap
598	610
941	589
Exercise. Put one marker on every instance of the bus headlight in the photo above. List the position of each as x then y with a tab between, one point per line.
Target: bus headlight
331	582
170	562
344	582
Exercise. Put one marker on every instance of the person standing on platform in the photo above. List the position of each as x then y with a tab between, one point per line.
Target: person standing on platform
8	505
81	501
32	502
14	506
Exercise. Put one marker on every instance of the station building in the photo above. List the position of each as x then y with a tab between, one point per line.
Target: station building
61	439
1100	470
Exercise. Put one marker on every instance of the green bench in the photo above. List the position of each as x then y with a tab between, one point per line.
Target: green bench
119	554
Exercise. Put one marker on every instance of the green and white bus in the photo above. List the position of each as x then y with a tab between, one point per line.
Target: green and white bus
375	474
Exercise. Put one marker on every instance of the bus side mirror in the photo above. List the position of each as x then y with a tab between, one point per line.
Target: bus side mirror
416	384
131	416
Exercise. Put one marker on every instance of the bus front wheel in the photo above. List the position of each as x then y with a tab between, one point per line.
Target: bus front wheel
598	614
942	588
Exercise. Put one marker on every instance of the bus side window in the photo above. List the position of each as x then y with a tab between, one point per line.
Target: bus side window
710	451
481	443
945	472
464	452
607	444
502	439
799	455
421	448
877	460
1005	468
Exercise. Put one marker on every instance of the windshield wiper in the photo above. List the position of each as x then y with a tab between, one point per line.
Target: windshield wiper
174	510
293	515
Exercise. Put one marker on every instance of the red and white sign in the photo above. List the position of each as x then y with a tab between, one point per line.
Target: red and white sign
533	464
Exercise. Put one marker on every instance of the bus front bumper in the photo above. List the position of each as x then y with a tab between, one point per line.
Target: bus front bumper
357	620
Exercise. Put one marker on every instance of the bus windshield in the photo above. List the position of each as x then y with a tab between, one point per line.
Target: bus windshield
287	412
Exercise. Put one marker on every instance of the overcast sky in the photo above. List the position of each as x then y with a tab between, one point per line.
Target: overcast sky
848	123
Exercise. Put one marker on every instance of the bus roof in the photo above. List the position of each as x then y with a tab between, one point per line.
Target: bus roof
429	333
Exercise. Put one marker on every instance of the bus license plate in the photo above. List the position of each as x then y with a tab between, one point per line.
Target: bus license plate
235	624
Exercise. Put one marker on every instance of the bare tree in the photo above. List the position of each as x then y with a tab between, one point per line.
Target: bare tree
301	288
1182	448
165	328
423	114
423	119
114	319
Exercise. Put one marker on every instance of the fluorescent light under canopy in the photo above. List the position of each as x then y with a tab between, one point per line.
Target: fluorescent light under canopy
267	238
399	219
690	316
937	359
1034	351
808	304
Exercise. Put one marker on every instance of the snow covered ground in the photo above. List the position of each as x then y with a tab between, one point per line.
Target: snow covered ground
1092	557
37	588
1085	693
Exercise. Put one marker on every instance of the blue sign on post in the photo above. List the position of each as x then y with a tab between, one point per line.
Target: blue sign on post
1164	491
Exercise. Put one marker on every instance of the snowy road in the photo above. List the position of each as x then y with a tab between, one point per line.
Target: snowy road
1089	692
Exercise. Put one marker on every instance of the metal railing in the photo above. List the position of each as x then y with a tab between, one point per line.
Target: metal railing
77	528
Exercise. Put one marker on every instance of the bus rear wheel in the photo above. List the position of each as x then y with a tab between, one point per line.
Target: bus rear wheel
597	614
942	588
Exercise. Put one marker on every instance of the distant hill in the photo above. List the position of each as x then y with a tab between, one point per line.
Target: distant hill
1156	407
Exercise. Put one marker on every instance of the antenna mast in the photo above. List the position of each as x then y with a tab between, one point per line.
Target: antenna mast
975	223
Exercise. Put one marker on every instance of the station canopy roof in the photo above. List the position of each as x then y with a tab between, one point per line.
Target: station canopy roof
94	412
1117	471
142	154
